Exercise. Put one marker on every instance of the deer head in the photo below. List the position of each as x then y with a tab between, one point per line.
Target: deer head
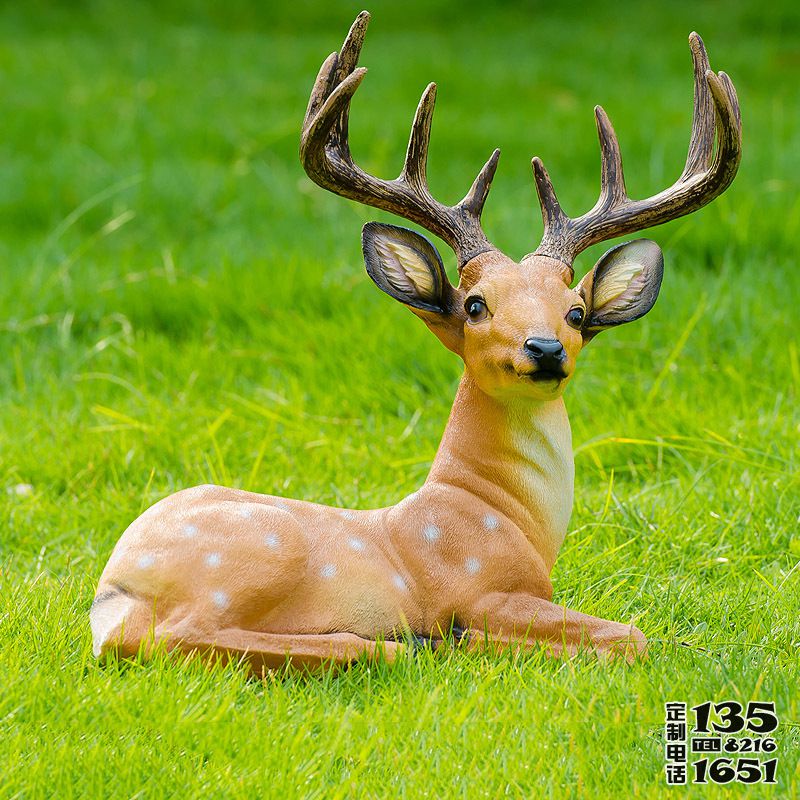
519	326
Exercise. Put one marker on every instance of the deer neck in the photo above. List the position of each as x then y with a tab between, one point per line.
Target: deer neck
515	456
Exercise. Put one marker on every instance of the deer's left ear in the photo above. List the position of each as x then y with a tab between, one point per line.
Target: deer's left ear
622	286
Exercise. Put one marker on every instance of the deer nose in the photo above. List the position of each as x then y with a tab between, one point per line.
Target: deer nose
546	353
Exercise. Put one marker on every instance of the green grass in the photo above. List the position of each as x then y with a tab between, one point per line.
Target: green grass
181	305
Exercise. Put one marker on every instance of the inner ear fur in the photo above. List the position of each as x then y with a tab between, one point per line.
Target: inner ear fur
407	266
623	285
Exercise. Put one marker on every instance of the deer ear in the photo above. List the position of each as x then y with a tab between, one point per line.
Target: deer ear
622	286
406	266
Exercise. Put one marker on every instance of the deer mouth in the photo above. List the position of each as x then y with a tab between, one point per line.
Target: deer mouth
545	375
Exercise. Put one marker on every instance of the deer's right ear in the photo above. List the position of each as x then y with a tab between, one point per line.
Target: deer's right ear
406	266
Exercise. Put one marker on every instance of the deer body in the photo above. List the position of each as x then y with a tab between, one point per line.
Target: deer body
212	557
244	575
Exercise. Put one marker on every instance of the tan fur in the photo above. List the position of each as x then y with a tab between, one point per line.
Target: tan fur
239	574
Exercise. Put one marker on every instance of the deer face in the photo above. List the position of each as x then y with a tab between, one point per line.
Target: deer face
522	330
518	326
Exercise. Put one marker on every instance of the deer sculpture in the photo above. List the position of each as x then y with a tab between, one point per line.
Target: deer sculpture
239	575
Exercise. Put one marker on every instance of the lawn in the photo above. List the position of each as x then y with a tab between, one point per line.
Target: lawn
182	305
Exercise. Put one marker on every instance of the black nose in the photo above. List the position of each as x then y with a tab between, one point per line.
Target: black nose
546	353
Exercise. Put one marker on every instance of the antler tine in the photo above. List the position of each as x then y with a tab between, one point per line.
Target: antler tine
337	66
475	198
416	164
728	130
733	98
351	46
346	65
706	174
325	155
321	89
612	178
701	144
321	127
555	220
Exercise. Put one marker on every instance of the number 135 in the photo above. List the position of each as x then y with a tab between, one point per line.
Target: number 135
758	718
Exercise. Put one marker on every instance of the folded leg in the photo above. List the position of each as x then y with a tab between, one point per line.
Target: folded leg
268	651
515	620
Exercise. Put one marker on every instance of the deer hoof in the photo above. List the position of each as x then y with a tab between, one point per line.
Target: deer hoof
623	642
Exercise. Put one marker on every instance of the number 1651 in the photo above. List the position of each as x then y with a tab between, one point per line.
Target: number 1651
744	770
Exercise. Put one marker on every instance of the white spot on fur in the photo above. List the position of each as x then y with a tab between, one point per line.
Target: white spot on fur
356	544
146	561
220	599
281	505
271	540
490	522
399	582
245	513
347	514
190	531
213	559
431	533
328	571
472	565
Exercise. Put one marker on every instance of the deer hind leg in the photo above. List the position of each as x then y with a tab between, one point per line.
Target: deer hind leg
262	652
125	624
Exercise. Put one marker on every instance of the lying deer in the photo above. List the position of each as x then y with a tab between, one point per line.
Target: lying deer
243	575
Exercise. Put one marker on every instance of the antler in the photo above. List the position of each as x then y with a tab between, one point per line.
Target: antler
706	175
325	155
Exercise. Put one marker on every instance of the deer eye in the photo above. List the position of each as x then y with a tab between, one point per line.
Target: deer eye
476	309
575	317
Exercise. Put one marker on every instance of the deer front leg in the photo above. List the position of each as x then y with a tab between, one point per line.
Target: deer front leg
514	620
